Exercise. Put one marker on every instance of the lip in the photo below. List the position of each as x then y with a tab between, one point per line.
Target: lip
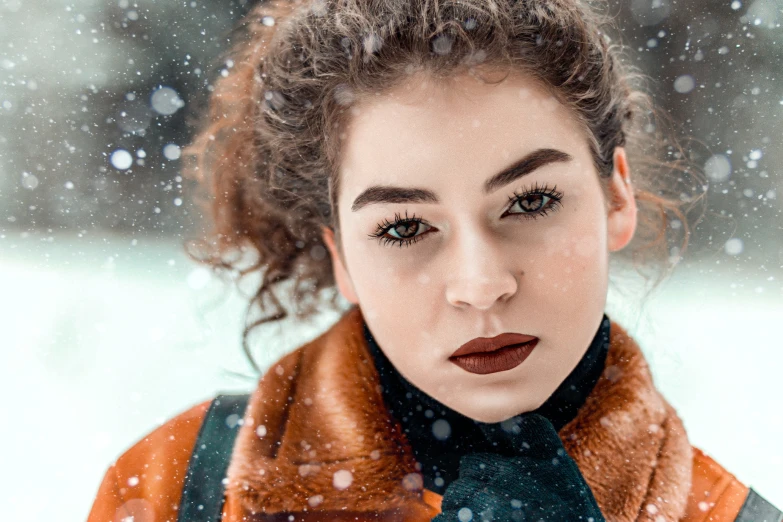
484	344
503	352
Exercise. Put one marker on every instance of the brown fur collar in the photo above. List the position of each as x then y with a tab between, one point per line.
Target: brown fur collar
319	411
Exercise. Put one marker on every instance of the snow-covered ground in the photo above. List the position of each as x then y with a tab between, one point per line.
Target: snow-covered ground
103	339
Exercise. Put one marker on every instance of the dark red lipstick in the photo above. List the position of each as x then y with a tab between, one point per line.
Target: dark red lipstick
497	354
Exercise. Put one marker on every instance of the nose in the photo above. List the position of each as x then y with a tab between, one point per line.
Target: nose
482	274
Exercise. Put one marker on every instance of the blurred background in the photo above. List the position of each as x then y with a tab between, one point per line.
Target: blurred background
108	328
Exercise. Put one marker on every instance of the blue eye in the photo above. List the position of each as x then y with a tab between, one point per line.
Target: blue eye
535	203
399	230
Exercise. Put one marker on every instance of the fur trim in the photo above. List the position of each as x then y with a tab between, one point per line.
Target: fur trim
317	437
629	443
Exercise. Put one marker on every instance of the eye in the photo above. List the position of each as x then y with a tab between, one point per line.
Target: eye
534	202
400	231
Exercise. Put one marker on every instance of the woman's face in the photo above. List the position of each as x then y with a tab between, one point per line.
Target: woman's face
481	265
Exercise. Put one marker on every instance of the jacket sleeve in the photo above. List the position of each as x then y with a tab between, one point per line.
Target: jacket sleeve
716	494
108	499
146	481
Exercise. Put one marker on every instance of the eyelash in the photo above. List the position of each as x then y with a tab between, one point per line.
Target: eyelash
551	205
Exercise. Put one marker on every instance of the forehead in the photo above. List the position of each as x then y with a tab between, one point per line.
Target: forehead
425	129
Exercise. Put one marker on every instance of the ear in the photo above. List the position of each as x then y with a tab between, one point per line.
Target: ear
621	219
341	276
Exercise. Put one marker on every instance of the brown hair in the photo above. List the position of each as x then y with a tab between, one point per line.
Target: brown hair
269	149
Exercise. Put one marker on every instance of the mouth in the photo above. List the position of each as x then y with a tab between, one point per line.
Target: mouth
504	352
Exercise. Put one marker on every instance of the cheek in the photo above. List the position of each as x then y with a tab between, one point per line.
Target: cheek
383	282
578	238
573	257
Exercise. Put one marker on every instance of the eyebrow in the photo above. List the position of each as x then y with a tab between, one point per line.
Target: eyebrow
377	194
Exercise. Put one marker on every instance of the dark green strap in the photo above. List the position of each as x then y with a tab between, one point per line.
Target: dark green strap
202	494
757	509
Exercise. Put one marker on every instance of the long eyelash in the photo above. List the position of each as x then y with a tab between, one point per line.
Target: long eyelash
555	196
544	190
380	233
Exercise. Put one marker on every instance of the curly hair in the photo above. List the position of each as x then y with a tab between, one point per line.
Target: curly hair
268	151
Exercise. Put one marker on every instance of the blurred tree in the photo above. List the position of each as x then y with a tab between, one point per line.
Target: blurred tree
96	100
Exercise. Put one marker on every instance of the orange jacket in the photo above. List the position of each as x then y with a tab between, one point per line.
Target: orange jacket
319	410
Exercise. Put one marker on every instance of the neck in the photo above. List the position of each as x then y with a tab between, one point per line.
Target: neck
440	436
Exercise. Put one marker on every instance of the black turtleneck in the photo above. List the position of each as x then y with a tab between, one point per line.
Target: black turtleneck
439	436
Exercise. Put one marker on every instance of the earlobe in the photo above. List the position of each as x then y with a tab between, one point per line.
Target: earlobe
621	220
341	276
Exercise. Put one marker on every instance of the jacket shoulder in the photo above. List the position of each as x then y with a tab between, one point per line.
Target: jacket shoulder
716	495
146	481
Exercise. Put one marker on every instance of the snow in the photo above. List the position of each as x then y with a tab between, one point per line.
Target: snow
342	479
103	338
172	151
734	246
121	159
106	339
29	181
718	168
166	101
684	84
441	429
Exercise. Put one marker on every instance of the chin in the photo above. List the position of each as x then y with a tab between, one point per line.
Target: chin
493	412
492	419
492	404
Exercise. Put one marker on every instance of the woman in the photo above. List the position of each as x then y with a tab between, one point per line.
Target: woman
475	375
